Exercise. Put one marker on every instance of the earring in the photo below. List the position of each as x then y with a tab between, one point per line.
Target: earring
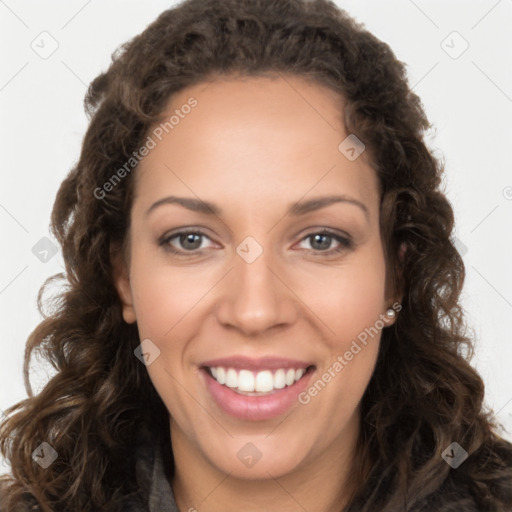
391	313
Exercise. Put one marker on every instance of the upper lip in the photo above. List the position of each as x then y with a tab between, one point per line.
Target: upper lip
256	364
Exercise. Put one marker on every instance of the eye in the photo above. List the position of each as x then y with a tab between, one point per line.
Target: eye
322	241
188	241
191	242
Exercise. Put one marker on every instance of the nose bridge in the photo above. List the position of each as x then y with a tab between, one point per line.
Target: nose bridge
255	299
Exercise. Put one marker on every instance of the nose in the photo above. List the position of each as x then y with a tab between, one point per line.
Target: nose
255	297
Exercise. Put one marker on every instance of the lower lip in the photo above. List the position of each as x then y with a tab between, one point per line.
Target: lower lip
255	408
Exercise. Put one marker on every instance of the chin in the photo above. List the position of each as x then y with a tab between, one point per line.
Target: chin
256	457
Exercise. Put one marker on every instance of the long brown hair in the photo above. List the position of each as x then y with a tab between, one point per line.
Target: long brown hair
423	395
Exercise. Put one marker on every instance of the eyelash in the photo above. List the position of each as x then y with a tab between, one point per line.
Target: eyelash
345	242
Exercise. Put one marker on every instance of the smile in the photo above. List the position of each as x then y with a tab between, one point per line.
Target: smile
255	389
256	383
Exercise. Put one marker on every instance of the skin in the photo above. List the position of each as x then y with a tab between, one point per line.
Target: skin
253	146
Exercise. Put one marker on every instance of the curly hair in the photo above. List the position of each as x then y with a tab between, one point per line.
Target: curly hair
423	395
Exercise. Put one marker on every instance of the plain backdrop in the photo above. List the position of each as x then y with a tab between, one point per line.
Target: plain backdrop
458	61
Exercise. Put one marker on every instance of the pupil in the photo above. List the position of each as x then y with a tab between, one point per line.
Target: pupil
326	239
189	238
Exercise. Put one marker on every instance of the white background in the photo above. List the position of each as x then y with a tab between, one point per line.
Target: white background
468	99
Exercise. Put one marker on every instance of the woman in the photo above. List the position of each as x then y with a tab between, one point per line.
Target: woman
262	309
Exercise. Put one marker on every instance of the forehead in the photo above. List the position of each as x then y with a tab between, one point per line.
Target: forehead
260	136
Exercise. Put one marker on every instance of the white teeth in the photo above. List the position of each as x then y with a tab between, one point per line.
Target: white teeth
264	382
231	378
221	375
279	379
246	381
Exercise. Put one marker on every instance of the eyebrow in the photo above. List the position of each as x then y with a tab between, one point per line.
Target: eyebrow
295	209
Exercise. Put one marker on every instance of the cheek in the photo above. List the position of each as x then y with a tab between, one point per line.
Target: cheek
351	298
352	311
164	299
359	303
164	296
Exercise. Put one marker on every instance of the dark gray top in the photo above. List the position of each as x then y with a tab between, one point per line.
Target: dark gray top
155	488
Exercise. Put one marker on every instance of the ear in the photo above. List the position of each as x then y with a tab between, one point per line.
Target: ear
401	257
401	252
121	278
394	301
397	300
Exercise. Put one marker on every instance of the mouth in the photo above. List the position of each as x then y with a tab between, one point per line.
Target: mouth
261	383
251	389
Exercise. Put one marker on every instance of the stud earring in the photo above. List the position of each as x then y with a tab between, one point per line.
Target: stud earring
391	313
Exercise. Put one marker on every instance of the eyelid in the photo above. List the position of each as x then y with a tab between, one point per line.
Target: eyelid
315	230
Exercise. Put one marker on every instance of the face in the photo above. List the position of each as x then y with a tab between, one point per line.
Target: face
261	288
